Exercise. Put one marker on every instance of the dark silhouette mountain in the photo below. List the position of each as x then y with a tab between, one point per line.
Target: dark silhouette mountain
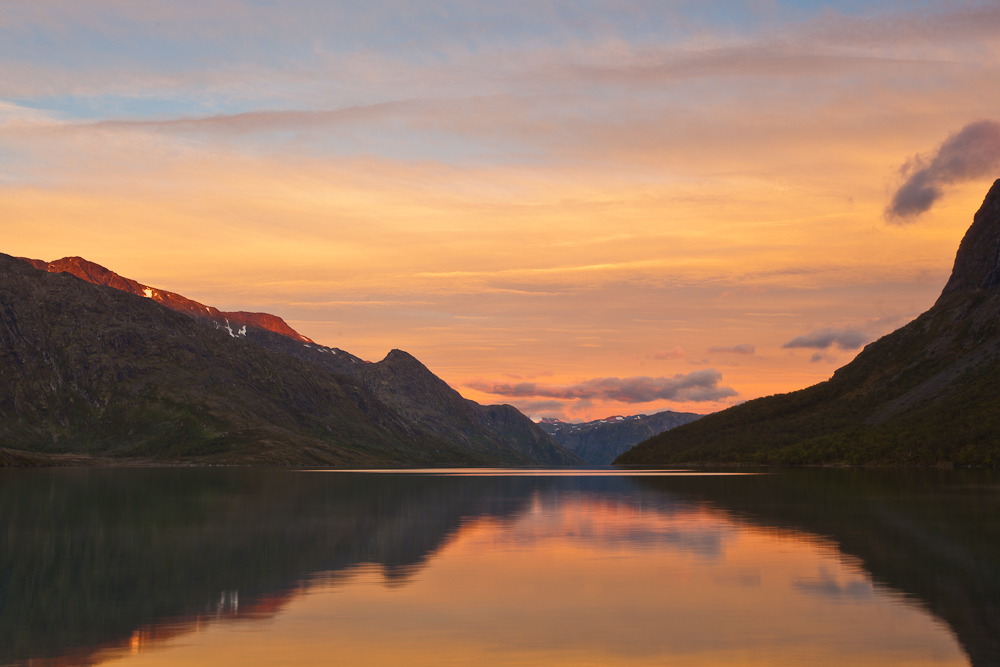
232	322
927	393
92	370
499	434
416	394
600	441
403	383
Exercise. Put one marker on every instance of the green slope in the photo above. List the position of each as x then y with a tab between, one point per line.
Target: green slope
928	393
90	370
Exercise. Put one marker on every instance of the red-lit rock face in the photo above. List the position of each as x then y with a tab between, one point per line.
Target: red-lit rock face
266	321
234	322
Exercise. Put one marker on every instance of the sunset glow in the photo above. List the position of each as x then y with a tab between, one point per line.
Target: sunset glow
690	587
578	209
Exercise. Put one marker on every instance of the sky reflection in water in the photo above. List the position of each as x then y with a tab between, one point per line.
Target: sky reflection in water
558	571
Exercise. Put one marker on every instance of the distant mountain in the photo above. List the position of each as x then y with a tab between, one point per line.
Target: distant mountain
89	369
928	393
599	442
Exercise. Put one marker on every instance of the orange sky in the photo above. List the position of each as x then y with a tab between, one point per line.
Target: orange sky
527	201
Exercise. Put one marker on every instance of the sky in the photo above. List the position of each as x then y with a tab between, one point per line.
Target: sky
583	209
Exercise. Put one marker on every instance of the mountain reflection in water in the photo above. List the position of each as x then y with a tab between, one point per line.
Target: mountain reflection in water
163	566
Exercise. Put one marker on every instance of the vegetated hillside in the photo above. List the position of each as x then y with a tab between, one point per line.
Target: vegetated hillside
419	399
87	369
409	388
928	393
406	385
600	441
231	322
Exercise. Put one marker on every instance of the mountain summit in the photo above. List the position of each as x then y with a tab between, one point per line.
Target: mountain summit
231	322
95	364
598	442
977	263
928	393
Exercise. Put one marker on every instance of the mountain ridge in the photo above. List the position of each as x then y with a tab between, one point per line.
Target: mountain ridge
924	394
600	441
98	369
100	275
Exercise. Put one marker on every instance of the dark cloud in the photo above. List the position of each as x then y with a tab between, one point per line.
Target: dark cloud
823	339
700	385
745	348
973	152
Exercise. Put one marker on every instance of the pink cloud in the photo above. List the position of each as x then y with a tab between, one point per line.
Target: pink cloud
700	385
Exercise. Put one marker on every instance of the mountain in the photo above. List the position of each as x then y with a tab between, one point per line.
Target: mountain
599	442
406	385
95	369
231	322
928	393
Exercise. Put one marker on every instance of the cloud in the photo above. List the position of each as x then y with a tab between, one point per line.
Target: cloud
529	376
973	152
673	353
256	121
823	339
700	385
744	348
544	407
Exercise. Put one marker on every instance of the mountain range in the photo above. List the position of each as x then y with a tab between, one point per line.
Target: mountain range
600	441
927	393
98	365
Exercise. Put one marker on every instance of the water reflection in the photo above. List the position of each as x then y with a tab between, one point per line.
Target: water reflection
258	567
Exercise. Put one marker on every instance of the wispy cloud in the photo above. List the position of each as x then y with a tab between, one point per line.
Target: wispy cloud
696	386
255	121
673	353
745	348
823	339
972	152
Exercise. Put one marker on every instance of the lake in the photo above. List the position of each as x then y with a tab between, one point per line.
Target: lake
166	566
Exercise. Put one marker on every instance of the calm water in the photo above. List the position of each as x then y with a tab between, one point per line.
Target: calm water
280	567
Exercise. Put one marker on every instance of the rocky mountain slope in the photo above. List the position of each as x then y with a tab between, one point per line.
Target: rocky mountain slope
406	385
928	393
599	442
233	322
95	370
